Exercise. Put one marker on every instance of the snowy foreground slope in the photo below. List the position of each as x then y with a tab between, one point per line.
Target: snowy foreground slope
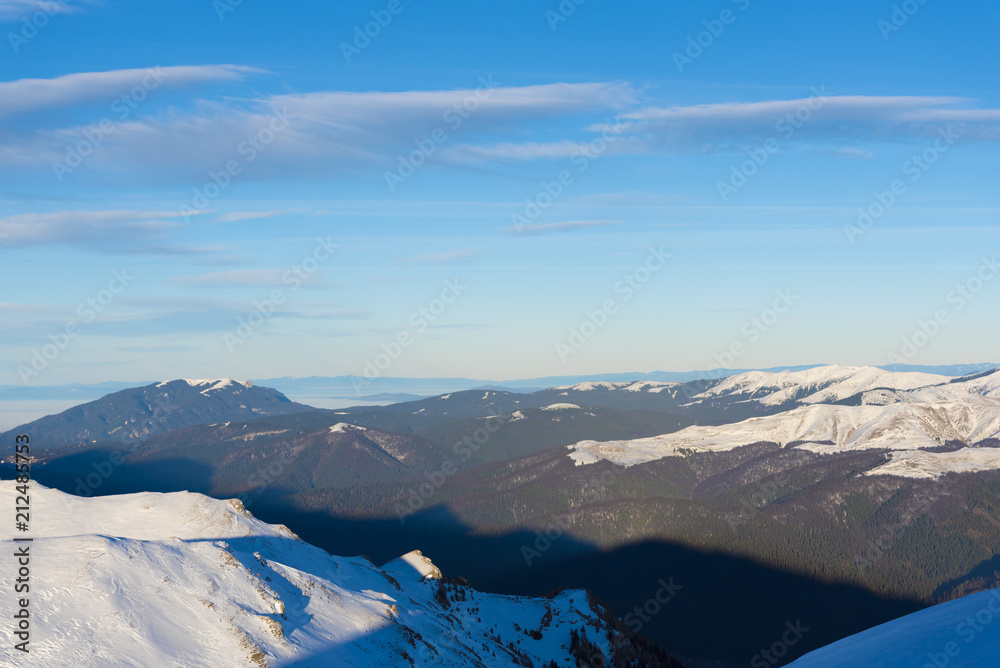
180	579
905	428
965	632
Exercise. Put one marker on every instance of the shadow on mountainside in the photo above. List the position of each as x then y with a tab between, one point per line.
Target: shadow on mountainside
720	606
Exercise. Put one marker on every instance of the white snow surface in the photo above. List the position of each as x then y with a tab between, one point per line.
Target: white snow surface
823	384
412	565
922	464
180	579
213	383
342	427
964	632
826	429
561	407
628	386
987	386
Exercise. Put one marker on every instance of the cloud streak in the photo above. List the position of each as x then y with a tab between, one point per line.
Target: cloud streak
32	95
329	131
112	231
567	226
445	258
847	118
242	278
235	216
833	125
11	10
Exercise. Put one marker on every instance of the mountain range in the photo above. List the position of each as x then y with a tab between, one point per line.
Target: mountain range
792	493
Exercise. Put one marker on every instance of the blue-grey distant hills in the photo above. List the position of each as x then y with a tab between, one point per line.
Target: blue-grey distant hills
140	412
357	387
388	389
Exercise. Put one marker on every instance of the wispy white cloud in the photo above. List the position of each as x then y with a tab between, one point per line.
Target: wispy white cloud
812	124
859	107
235	216
509	151
149	350
16	9
326	132
335	132
30	95
241	277
114	231
443	258
567	226
848	118
844	152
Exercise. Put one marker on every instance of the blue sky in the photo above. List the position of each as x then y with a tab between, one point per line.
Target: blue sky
213	153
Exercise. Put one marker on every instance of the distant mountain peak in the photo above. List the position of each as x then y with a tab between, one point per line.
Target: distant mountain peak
213	383
139	412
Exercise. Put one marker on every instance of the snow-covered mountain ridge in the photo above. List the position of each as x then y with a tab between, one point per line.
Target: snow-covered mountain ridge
832	384
907	427
181	579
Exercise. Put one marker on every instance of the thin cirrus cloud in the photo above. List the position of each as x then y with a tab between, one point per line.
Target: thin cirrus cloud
13	10
810	123
446	257
31	95
245	278
566	226
313	132
848	117
113	231
236	216
149	323
514	152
